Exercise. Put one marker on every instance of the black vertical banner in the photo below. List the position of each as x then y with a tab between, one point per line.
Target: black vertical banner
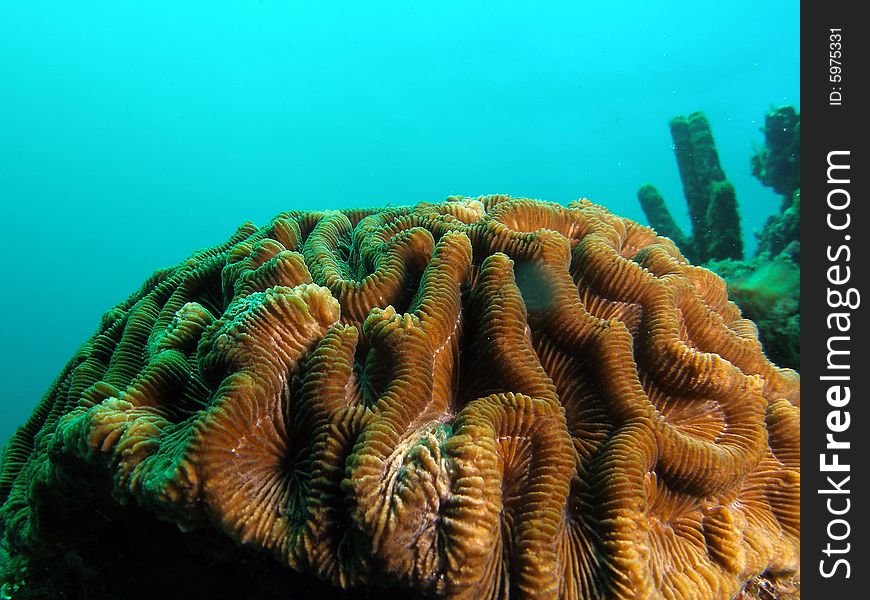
835	356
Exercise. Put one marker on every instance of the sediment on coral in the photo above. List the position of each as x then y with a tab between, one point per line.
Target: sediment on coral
481	398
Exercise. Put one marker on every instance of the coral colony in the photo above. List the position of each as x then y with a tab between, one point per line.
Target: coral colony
767	286
479	398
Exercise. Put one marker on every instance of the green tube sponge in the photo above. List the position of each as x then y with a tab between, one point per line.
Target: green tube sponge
722	211
659	216
710	199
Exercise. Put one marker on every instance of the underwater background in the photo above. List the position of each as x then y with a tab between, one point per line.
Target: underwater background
131	134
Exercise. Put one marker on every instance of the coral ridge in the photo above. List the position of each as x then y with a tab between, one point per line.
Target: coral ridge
481	398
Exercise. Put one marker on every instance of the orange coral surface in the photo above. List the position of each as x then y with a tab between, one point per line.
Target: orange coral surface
479	398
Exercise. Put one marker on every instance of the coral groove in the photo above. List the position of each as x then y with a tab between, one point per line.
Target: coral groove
480	398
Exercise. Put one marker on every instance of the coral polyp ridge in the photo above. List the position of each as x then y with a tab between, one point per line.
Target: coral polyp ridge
479	398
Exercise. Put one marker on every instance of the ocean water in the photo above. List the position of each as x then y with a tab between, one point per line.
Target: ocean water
133	133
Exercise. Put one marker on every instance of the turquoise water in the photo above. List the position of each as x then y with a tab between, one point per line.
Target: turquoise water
133	133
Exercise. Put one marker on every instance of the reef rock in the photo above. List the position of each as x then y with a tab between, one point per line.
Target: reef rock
480	398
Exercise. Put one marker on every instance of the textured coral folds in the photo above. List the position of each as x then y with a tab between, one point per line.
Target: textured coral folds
481	398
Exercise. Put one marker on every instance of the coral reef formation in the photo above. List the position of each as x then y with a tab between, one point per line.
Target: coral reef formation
780	237
778	163
709	196
770	297
767	288
768	292
479	398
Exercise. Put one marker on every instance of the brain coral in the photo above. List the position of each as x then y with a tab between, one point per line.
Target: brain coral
479	398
